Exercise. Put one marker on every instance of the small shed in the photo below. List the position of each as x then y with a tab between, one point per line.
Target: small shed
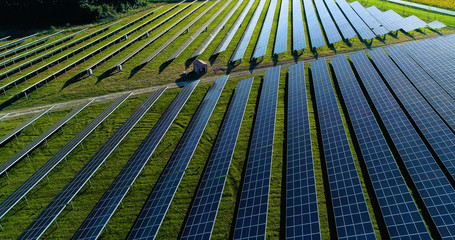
200	67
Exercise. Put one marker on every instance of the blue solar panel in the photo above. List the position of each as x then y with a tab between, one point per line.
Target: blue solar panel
433	187
412	23
281	38
316	37
434	94
106	206
343	25
331	31
433	128
243	44
298	32
349	206
387	22
44	220
302	219
371	22
205	207
39	175
400	213
362	29
263	40
155	209
252	213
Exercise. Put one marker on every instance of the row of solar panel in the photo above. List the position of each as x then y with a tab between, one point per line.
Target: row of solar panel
351	214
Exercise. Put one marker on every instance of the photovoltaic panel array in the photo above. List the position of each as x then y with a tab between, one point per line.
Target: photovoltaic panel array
302	219
25	46
343	25
412	23
246	37
436	25
362	29
252	212
349	206
203	212
44	220
263	40
21	127
106	206
371	22
433	187
433	93
27	149
216	30
316	37
235	26
428	57
152	214
391	23
16	42
281	37
433	128
400	213
32	181
298	32
330	29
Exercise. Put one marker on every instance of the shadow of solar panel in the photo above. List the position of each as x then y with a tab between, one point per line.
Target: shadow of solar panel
433	187
302	219
349	206
400	213
106	206
203	212
155	209
32	181
252	212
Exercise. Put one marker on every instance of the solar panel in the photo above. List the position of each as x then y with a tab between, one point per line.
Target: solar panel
263	40
302	219
362	29
44	220
235	26
433	128
387	22
330	29
298	32
343	25
393	20
152	214
246	36
398	209
412	23
316	38
106	206
281	37
433	187
180	32
202	215
34	43
252	212
27	149
32	181
349	206
15	131
434	94
371	22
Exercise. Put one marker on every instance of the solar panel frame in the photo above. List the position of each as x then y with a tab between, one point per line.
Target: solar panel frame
314	30
202	214
362	29
117	191
302	219
330	29
399	211
281	42
350	210
264	35
21	127
40	139
343	24
34	43
155	208
246	36
44	220
252	211
433	187
32	181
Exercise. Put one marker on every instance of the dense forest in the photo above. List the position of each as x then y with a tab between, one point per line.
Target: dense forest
42	13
